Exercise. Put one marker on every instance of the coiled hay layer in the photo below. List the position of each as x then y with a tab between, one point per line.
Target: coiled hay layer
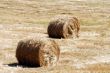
64	27
37	52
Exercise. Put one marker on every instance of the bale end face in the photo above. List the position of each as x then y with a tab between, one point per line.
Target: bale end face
37	53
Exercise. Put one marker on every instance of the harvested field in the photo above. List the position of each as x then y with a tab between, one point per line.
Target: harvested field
22	19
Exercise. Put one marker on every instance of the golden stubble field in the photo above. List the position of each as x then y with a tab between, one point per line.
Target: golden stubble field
90	53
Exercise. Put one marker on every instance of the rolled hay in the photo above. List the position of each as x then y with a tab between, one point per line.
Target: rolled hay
63	27
37	52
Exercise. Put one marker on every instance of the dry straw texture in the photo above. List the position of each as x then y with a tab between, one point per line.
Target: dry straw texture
63	27
37	52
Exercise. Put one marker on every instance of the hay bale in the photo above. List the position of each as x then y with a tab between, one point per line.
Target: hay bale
37	52
64	27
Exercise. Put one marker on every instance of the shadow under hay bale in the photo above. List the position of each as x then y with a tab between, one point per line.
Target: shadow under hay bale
21	65
37	52
64	27
12	64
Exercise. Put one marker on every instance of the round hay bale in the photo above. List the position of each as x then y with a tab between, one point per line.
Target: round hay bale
63	27
37	52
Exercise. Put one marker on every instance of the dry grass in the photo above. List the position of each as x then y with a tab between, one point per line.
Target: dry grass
20	19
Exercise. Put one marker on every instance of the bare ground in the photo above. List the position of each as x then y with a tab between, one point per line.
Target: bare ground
90	53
